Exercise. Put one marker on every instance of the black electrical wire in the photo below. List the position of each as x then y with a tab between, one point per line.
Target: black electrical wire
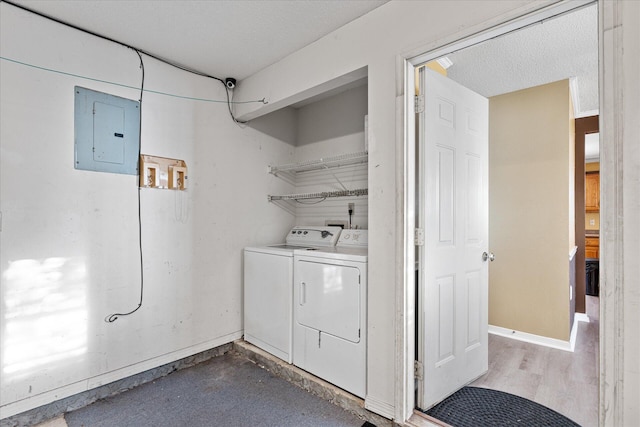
113	317
139	51
226	89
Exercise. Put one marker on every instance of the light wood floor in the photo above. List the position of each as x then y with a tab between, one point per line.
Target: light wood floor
563	381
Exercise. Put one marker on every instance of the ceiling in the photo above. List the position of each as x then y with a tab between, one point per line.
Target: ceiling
221	38
237	38
553	50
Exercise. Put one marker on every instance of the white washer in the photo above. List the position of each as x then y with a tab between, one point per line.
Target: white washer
330	312
268	288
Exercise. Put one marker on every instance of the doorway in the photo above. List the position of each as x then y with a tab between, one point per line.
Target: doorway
569	230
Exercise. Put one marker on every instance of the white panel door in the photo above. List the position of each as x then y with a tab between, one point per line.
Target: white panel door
454	214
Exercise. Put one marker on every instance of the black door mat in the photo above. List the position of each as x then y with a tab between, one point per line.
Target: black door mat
478	407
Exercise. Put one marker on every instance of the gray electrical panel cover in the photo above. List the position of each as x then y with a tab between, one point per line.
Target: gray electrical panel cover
107	132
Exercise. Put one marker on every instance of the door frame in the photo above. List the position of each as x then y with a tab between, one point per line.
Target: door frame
584	126
405	400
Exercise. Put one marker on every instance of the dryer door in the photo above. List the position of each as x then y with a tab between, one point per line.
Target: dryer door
328	298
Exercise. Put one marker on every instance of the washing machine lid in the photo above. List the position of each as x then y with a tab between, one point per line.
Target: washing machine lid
352	254
286	246
281	249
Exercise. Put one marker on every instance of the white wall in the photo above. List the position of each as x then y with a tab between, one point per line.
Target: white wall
321	128
379	40
69	242
332	126
326	128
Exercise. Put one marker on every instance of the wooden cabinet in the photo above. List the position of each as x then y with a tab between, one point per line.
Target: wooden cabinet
592	247
592	192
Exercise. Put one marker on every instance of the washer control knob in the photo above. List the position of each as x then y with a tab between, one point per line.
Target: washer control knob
306	232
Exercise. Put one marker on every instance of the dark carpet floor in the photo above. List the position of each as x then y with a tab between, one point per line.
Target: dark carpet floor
224	391
480	407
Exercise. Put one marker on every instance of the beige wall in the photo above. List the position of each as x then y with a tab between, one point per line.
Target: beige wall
530	199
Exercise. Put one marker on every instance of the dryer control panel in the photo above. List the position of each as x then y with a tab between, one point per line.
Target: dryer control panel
359	238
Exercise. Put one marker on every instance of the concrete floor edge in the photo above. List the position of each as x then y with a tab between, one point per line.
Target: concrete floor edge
310	383
57	408
277	367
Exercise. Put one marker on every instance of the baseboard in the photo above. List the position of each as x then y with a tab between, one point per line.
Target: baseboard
537	339
581	317
86	386
379	407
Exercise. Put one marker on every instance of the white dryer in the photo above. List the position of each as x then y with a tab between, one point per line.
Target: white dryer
268	288
330	311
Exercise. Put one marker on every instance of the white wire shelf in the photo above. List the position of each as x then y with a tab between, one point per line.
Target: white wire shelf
322	195
324	163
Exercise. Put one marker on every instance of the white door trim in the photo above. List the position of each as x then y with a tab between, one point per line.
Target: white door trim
408	62
620	230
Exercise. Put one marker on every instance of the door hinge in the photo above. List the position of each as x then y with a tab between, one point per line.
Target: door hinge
419	104
418	370
418	237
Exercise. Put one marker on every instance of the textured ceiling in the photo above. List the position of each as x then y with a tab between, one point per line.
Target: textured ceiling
556	49
218	37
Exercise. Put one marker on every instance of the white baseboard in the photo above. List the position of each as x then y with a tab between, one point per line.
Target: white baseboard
581	317
385	409
537	339
45	398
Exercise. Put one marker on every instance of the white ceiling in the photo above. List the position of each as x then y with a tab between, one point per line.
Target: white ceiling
556	49
221	38
237	38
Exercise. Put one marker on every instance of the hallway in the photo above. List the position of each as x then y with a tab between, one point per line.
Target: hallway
563	381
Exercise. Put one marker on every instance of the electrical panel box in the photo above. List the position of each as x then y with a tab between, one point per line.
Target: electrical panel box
107	132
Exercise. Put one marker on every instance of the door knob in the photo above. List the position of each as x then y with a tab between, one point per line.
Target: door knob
488	256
